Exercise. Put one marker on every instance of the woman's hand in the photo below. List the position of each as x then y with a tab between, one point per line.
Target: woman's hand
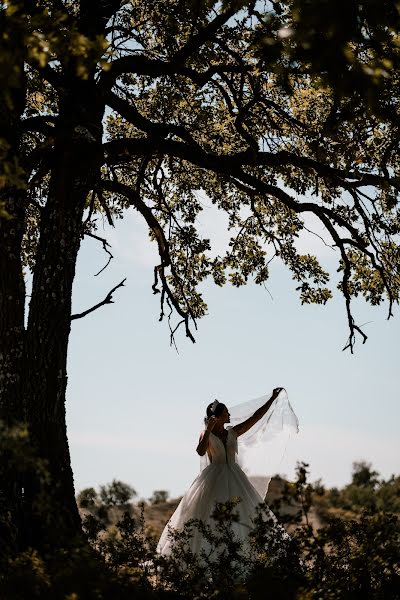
211	423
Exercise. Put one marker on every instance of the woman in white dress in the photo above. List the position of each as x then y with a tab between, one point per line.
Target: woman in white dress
221	478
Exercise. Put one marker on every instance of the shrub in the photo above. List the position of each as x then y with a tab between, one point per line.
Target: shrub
158	497
116	493
353	559
87	498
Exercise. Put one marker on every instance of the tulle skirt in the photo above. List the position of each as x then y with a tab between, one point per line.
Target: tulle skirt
216	483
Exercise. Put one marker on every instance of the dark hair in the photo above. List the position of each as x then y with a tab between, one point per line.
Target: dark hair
217	412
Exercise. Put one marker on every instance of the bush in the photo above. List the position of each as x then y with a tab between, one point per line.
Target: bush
107	505
366	492
353	559
116	493
158	497
344	560
88	498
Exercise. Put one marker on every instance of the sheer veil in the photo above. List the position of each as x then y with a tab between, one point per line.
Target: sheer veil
261	449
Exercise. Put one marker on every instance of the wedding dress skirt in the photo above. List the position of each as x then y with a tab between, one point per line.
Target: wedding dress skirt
222	480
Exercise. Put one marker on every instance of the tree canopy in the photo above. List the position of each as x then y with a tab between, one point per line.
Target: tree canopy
276	110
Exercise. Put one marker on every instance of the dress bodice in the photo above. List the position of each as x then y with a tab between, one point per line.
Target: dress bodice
220	453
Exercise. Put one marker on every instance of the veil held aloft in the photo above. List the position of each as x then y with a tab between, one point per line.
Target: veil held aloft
261	449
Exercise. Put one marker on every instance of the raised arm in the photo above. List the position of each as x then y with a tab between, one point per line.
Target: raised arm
246	425
203	441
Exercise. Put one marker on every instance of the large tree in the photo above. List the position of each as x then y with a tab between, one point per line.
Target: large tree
275	110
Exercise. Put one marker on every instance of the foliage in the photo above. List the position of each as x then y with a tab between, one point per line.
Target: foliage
70	572
116	493
277	111
348	559
87	498
159	496
66	575
17	455
351	46
102	506
366	492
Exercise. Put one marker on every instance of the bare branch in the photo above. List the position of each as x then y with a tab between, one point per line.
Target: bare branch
319	237
345	284
107	300
106	245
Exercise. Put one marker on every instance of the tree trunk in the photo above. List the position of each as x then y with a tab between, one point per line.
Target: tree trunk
33	375
75	169
12	291
12	299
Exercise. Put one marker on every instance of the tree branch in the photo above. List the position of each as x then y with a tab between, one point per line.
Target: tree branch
94	22
150	67
233	167
39	124
229	165
105	207
129	112
226	163
107	300
204	34
163	249
137	202
106	245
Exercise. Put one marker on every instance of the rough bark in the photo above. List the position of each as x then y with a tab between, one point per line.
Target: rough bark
43	513
34	362
12	292
75	169
12	300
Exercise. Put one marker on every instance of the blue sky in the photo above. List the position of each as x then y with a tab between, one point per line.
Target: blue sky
135	405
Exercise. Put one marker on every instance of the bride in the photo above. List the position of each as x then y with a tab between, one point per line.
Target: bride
259	425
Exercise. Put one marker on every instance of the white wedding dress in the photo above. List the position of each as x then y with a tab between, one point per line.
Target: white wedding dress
222	479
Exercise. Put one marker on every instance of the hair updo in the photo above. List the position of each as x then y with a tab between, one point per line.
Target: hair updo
217	412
